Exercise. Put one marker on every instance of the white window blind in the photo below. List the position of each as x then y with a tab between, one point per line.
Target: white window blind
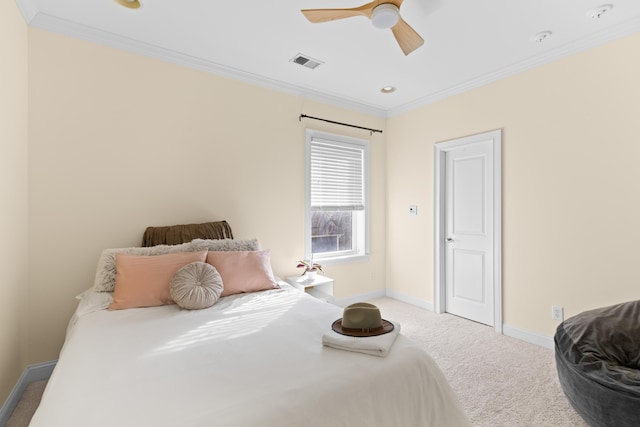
337	178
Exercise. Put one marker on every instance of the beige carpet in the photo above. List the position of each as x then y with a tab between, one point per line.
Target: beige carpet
501	381
27	405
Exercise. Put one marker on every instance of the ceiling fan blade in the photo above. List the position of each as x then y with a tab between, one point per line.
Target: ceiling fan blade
406	37
325	15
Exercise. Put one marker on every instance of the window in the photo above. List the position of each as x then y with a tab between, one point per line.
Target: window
337	196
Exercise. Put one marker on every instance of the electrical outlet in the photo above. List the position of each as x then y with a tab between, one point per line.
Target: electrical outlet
413	210
557	313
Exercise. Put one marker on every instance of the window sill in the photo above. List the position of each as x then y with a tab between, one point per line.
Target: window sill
342	260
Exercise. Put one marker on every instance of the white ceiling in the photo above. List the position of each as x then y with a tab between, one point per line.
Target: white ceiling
467	42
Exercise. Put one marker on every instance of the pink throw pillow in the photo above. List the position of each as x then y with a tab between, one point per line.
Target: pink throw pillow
243	271
143	281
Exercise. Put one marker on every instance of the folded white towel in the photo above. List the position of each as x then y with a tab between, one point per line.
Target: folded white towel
375	346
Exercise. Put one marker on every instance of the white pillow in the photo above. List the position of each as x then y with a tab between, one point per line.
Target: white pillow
91	301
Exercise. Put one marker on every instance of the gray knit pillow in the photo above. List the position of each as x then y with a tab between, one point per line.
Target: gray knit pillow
105	280
196	285
224	245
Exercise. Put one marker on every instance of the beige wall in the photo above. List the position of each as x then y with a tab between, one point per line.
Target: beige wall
13	192
571	183
119	142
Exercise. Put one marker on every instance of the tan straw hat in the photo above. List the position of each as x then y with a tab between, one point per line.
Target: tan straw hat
362	320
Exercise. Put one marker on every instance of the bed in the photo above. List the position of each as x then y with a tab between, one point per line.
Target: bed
251	359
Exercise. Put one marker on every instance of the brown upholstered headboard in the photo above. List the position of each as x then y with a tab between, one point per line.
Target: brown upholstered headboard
176	234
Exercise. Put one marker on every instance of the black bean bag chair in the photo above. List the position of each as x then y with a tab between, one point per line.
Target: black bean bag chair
598	362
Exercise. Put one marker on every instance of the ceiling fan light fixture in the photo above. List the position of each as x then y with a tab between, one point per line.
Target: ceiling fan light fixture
385	16
131	4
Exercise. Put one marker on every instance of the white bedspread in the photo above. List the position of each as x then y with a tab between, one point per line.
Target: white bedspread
250	360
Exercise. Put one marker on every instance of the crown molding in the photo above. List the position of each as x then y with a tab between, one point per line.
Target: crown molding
73	29
28	10
625	29
80	31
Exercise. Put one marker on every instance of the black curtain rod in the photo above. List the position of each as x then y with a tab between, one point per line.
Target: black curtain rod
304	116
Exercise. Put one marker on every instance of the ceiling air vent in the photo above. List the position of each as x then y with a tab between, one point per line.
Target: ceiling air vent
306	61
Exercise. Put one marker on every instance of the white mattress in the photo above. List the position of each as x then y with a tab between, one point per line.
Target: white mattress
250	360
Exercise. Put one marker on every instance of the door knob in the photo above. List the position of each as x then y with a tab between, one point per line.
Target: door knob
449	239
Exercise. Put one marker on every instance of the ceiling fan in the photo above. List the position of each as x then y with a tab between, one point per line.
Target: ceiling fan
384	14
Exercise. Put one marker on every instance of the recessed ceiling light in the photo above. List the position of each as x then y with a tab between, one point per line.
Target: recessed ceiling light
599	11
541	36
131	4
388	89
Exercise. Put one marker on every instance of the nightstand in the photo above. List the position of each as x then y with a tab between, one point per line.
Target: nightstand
320	287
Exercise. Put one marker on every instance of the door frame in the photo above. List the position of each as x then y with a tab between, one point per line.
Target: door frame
440	151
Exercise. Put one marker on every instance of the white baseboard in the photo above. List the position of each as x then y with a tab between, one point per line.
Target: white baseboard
510	331
343	302
409	299
528	336
40	371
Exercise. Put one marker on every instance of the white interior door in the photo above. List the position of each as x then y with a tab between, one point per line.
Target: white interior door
469	231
